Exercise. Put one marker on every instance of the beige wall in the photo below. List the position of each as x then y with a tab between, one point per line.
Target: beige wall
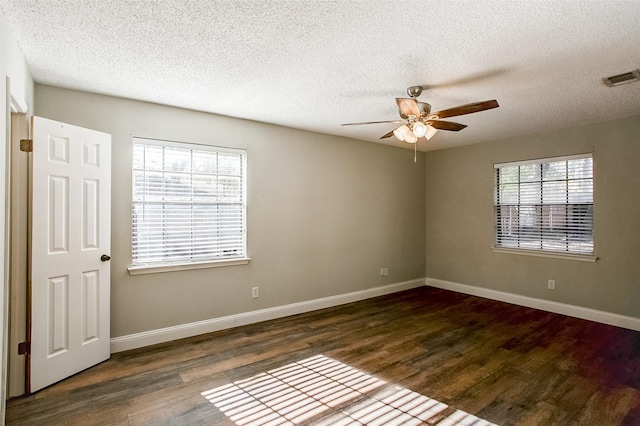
324	213
460	221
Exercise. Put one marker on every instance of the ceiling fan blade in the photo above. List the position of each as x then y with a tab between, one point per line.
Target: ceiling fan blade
387	135
408	107
467	109
373	122
446	125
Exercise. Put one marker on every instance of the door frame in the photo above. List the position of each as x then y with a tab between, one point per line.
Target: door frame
16	305
9	104
18	263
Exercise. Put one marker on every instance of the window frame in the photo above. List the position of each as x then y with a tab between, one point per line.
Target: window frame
542	252
179	265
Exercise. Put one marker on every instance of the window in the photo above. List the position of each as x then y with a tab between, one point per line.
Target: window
545	205
188	203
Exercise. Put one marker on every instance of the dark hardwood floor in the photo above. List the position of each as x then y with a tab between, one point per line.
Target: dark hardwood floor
415	357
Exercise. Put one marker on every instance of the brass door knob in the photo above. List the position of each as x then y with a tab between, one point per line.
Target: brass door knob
105	257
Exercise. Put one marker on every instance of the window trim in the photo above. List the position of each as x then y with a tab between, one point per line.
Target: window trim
547	254
584	257
543	160
172	267
169	266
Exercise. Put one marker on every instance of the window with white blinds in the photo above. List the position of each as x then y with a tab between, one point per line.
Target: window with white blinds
545	204
189	203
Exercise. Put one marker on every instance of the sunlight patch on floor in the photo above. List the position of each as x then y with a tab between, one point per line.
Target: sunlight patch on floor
328	392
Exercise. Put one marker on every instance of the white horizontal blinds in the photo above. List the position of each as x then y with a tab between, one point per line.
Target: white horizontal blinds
545	205
188	203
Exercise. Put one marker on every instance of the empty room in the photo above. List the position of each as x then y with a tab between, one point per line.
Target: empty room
284	212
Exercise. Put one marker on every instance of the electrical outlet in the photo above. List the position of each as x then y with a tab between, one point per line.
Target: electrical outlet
551	284
255	292
386	271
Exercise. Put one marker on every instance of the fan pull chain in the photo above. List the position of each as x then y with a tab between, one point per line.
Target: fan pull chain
415	152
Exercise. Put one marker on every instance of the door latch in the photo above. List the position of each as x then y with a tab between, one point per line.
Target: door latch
24	348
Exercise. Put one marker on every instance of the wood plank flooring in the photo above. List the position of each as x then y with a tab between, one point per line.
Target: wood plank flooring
505	364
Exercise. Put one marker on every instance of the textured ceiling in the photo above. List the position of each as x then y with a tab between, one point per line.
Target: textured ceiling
315	64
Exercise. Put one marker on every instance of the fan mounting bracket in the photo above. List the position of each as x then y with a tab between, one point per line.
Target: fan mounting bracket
414	91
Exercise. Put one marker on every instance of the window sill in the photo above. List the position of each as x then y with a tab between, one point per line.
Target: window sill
552	255
155	269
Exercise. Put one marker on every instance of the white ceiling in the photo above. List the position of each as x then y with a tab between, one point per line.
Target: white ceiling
315	64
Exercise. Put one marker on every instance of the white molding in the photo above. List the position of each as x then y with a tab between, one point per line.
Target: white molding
549	254
17	105
544	160
151	337
156	269
603	317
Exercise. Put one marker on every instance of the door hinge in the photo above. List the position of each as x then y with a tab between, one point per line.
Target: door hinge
26	145
24	348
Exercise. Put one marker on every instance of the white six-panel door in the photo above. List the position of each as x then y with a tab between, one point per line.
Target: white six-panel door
70	283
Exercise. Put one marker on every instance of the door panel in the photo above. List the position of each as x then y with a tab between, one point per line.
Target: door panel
58	298
58	214
90	217
70	207
91	303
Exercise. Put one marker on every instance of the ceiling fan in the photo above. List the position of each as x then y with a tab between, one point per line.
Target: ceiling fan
418	121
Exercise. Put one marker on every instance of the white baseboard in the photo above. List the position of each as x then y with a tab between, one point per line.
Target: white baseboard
603	317
146	338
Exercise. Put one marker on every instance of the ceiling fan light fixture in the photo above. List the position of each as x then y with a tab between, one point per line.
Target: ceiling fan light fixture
410	137
419	129
402	132
430	132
